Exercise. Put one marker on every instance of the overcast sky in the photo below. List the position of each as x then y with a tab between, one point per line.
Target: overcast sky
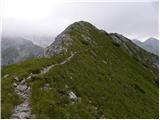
135	20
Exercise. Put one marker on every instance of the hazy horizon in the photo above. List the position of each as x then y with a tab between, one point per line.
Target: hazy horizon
135	20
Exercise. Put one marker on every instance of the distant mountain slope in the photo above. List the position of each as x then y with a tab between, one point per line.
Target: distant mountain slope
15	49
151	45
43	41
87	73
146	58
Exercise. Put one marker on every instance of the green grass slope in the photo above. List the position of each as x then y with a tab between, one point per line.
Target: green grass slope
108	82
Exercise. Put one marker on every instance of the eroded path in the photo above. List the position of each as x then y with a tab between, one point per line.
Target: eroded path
23	90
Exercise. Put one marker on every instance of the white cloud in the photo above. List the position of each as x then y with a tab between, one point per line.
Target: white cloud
133	19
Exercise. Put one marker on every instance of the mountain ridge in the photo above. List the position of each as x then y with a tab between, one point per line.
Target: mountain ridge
103	78
150	45
16	49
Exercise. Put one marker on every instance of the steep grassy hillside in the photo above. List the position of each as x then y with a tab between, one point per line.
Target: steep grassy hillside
93	77
20	70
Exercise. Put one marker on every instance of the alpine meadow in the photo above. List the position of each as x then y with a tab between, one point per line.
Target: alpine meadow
65	59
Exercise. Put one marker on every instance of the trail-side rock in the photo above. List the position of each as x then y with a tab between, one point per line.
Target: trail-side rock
15	84
73	96
22	88
16	78
5	76
23	111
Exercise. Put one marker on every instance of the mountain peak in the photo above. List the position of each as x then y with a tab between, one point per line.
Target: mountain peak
90	69
150	40
79	33
150	45
80	25
83	35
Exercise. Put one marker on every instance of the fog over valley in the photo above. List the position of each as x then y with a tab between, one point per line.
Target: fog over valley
42	20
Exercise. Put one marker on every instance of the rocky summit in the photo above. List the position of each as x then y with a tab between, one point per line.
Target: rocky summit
84	73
